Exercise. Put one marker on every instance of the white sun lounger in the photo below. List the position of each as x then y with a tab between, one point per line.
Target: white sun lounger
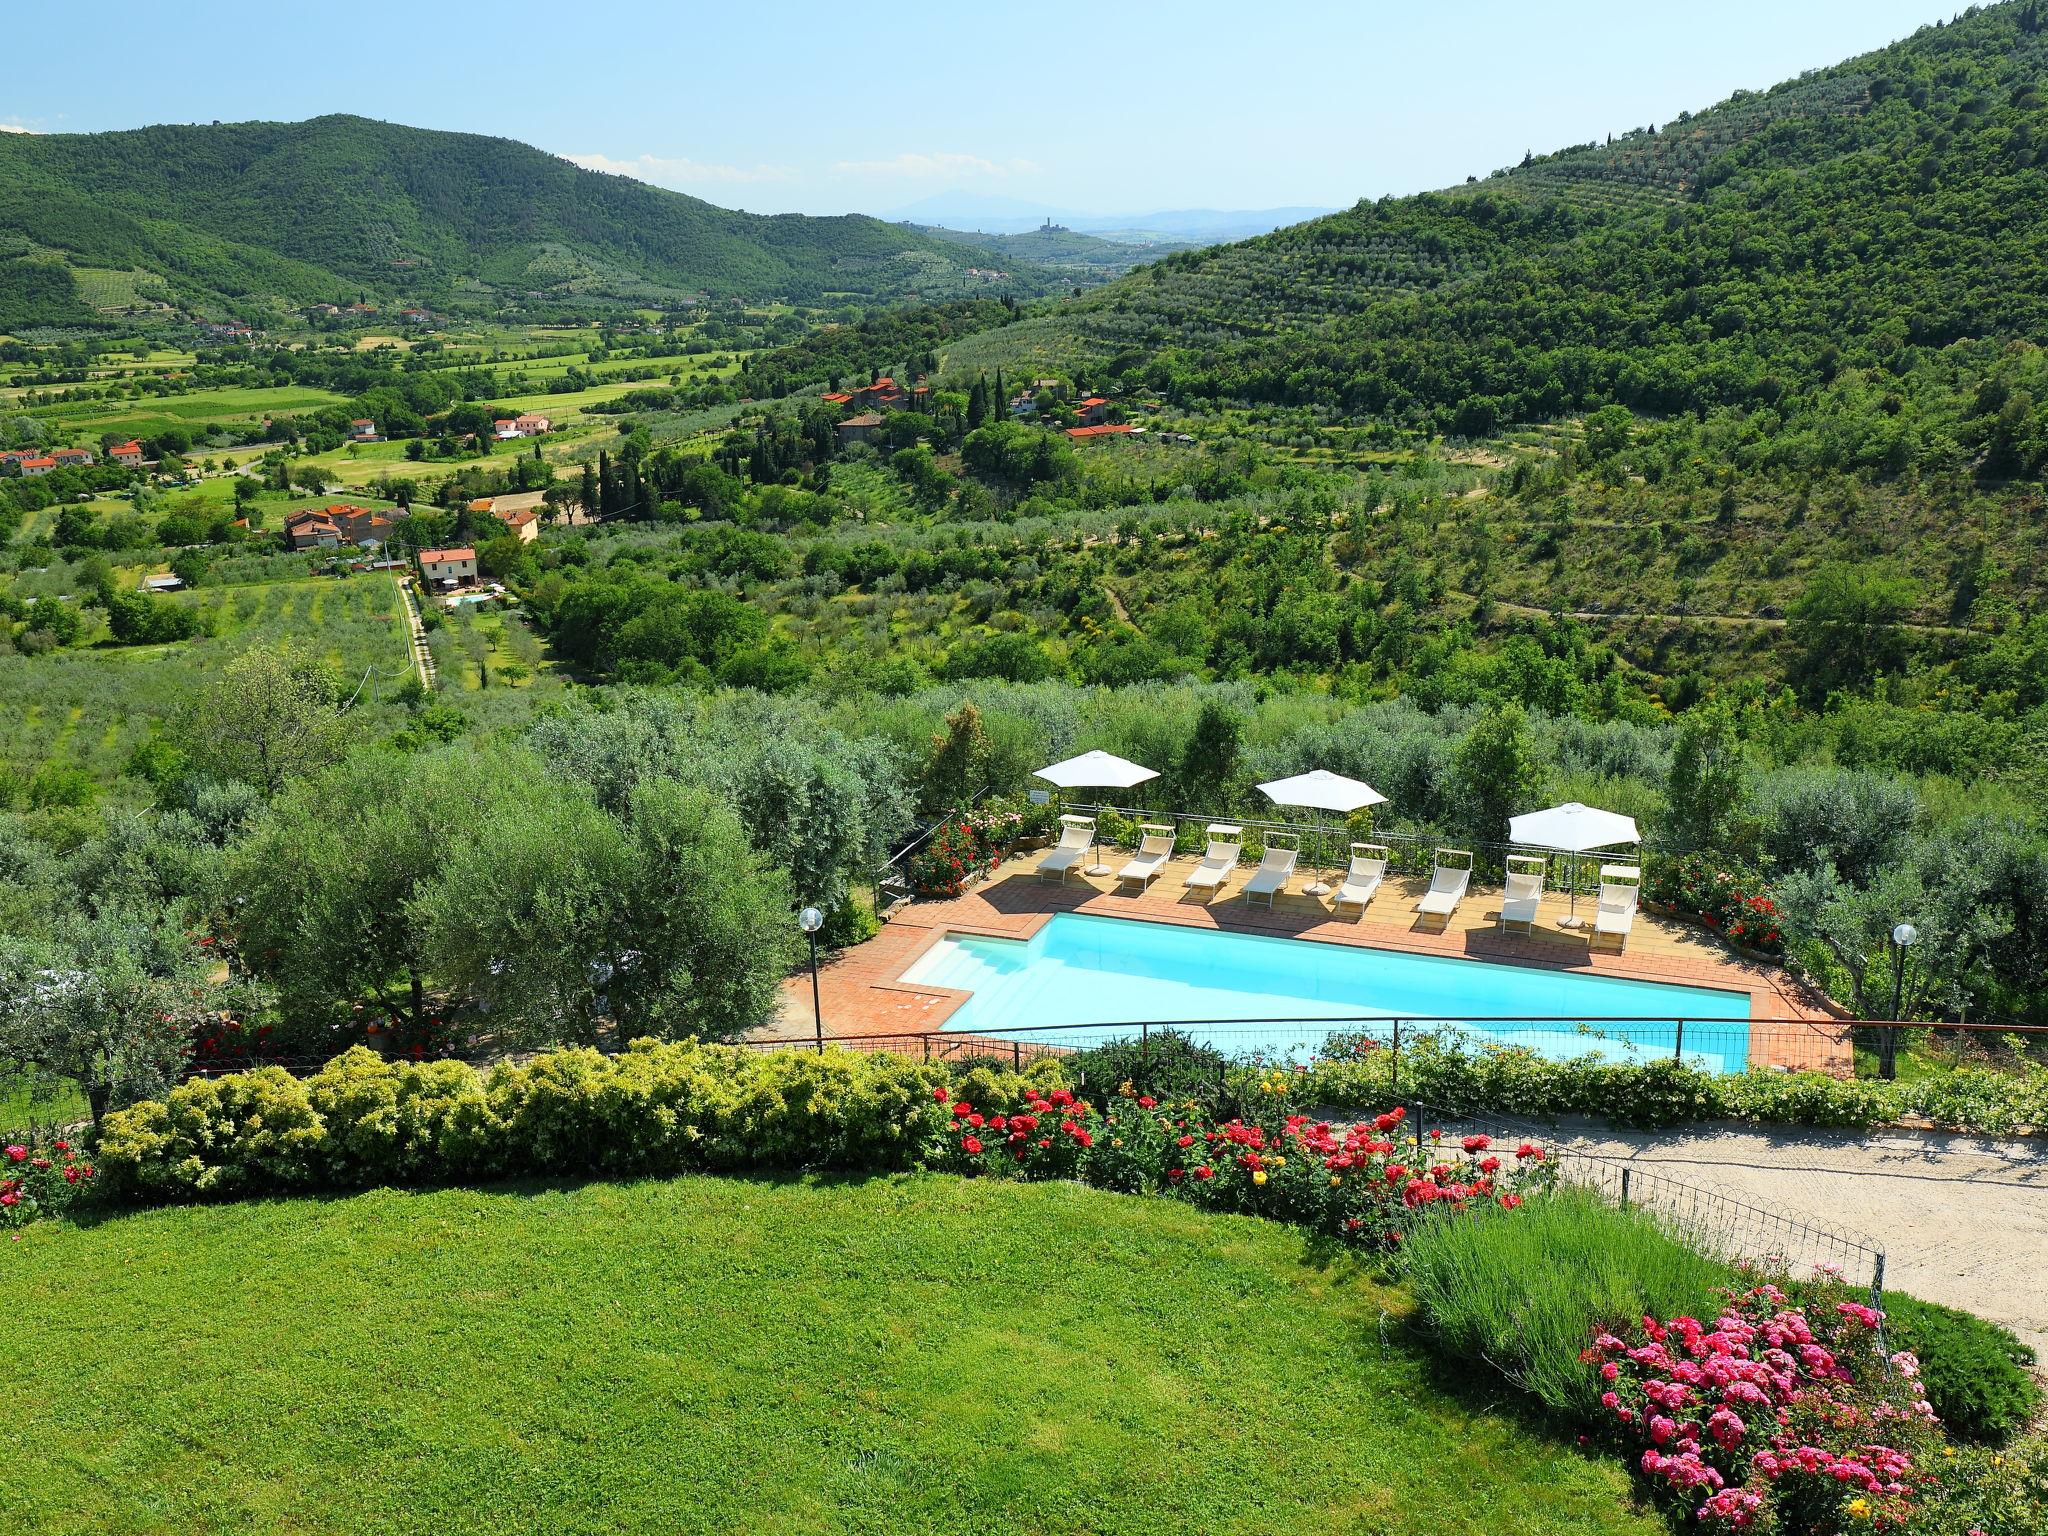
1076	833
1524	893
1275	869
1218	859
1155	847
1362	880
1447	883
1620	891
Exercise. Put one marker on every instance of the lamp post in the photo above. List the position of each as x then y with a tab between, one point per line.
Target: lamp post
811	920
1903	938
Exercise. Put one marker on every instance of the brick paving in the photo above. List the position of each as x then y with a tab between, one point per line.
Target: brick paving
864	995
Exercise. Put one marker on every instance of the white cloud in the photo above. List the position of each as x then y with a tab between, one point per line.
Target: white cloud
13	125
948	167
680	171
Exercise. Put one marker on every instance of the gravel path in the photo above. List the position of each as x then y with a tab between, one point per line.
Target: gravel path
1963	1220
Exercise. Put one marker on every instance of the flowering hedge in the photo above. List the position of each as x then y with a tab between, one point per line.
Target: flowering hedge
1775	1416
1353	1183
40	1182
1728	901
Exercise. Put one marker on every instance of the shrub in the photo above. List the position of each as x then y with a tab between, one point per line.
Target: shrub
1781	1414
654	1108
401	1120
36	1182
1167	1065
950	857
1457	1074
1973	1370
245	1133
1526	1295
1732	902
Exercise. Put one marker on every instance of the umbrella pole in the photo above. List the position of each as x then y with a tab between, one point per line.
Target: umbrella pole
1321	887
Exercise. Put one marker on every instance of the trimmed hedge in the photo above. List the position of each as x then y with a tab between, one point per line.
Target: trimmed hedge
1974	1371
1453	1076
654	1109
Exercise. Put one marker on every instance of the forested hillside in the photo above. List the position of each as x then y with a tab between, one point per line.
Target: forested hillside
1884	220
340	207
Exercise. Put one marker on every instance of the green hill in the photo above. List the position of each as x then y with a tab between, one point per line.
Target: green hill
240	217
1884	220
1081	257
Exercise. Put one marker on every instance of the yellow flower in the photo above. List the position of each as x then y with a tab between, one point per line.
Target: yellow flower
1116	1141
1259	1177
1336	1179
1279	1162
1859	1508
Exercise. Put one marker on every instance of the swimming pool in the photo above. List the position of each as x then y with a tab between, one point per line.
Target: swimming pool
1093	974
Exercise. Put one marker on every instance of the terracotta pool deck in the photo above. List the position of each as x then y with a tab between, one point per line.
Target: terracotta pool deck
864	996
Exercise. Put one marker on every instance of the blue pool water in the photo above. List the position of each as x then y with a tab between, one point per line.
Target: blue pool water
1090	975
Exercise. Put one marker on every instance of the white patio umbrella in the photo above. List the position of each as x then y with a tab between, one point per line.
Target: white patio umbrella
1575	829
1321	790
1096	770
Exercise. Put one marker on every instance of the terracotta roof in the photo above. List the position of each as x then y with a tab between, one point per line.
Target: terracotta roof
439	556
1091	400
1105	430
835	399
481	504
44	463
520	518
131	446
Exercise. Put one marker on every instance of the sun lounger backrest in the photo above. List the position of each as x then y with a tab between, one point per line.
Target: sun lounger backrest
1156	842
1076	831
1369	861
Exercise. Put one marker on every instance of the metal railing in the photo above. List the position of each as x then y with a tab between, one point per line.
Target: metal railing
1716	1045
1730	1226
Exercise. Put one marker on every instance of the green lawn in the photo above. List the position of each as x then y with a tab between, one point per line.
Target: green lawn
915	1354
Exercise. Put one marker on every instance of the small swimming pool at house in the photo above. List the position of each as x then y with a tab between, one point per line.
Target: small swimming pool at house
1094	974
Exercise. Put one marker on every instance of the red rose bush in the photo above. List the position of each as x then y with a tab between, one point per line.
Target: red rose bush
1361	1184
38	1182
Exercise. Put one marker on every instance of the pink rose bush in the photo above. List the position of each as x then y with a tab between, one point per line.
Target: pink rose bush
1361	1184
1778	1415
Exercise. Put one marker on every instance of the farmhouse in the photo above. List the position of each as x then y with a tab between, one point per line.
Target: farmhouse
882	395
331	527
129	453
1092	411
311	529
363	430
73	455
41	465
859	429
524	523
505	428
532	424
448	567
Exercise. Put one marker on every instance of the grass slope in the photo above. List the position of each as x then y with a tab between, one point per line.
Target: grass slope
900	1355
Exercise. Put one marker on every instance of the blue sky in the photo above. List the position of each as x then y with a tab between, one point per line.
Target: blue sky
780	107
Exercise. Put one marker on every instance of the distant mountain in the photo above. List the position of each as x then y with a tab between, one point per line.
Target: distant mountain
1080	257
238	218
976	213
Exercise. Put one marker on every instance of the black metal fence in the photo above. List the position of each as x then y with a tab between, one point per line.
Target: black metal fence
1715	1045
1721	1222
